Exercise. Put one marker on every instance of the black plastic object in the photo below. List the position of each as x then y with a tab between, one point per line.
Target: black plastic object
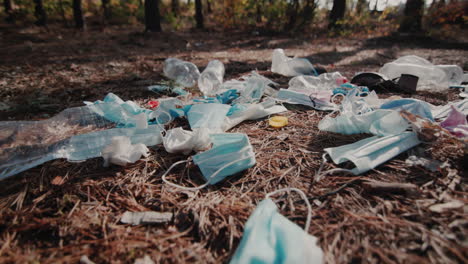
408	83
375	81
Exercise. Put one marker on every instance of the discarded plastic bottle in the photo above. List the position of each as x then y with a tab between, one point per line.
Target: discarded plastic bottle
211	78
183	72
454	73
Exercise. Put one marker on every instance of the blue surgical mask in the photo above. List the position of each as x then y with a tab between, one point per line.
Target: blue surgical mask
293	97
369	153
116	110
231	153
208	116
269	237
413	106
379	122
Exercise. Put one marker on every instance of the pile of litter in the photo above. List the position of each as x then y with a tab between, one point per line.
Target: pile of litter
121	131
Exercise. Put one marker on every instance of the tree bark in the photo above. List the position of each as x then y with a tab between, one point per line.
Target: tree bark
292	14
8	11
39	12
337	12
199	14
209	9
308	13
175	7
78	14
361	5
152	16
412	16
106	9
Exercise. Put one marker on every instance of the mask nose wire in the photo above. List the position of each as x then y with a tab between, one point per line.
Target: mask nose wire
303	196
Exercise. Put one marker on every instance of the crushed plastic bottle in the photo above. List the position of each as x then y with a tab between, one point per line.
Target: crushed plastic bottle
73	134
183	72
431	77
454	73
211	78
311	84
286	66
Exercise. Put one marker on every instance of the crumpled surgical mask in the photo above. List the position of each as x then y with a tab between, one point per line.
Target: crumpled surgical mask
413	106
121	151
241	112
369	153
292	97
178	140
231	153
269	237
379	122
208	116
124	114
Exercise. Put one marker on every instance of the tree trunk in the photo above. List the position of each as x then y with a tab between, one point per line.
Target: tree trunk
106	9
78	14
208	7
412	16
199	14
361	5
337	12
258	7
175	7
152	16
62	12
8	11
292	14
308	13
40	13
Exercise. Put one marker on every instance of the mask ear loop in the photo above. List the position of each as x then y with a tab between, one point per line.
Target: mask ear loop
161	126
318	176
201	186
303	196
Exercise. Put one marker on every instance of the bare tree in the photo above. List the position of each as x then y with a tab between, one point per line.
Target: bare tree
291	12
39	13
361	5
199	13
308	13
78	14
106	9
337	12
175	7
412	16
8	11
152	16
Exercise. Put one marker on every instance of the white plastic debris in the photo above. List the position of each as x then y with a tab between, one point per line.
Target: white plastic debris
431	165
286	66
431	77
312	84
183	72
121	152
178	140
145	260
211	78
150	217
85	260
454	73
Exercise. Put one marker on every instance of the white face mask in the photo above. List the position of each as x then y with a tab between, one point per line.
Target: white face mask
178	140
121	152
369	153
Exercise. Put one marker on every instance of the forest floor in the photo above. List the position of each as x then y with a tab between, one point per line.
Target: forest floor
61	211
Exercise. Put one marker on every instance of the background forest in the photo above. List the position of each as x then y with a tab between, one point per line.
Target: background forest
335	16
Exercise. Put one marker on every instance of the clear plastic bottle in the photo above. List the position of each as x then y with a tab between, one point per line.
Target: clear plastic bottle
211	78
183	72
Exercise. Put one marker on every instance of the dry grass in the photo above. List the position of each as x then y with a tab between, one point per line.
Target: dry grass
61	211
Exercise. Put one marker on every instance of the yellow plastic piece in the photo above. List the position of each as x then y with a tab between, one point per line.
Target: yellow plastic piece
278	121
